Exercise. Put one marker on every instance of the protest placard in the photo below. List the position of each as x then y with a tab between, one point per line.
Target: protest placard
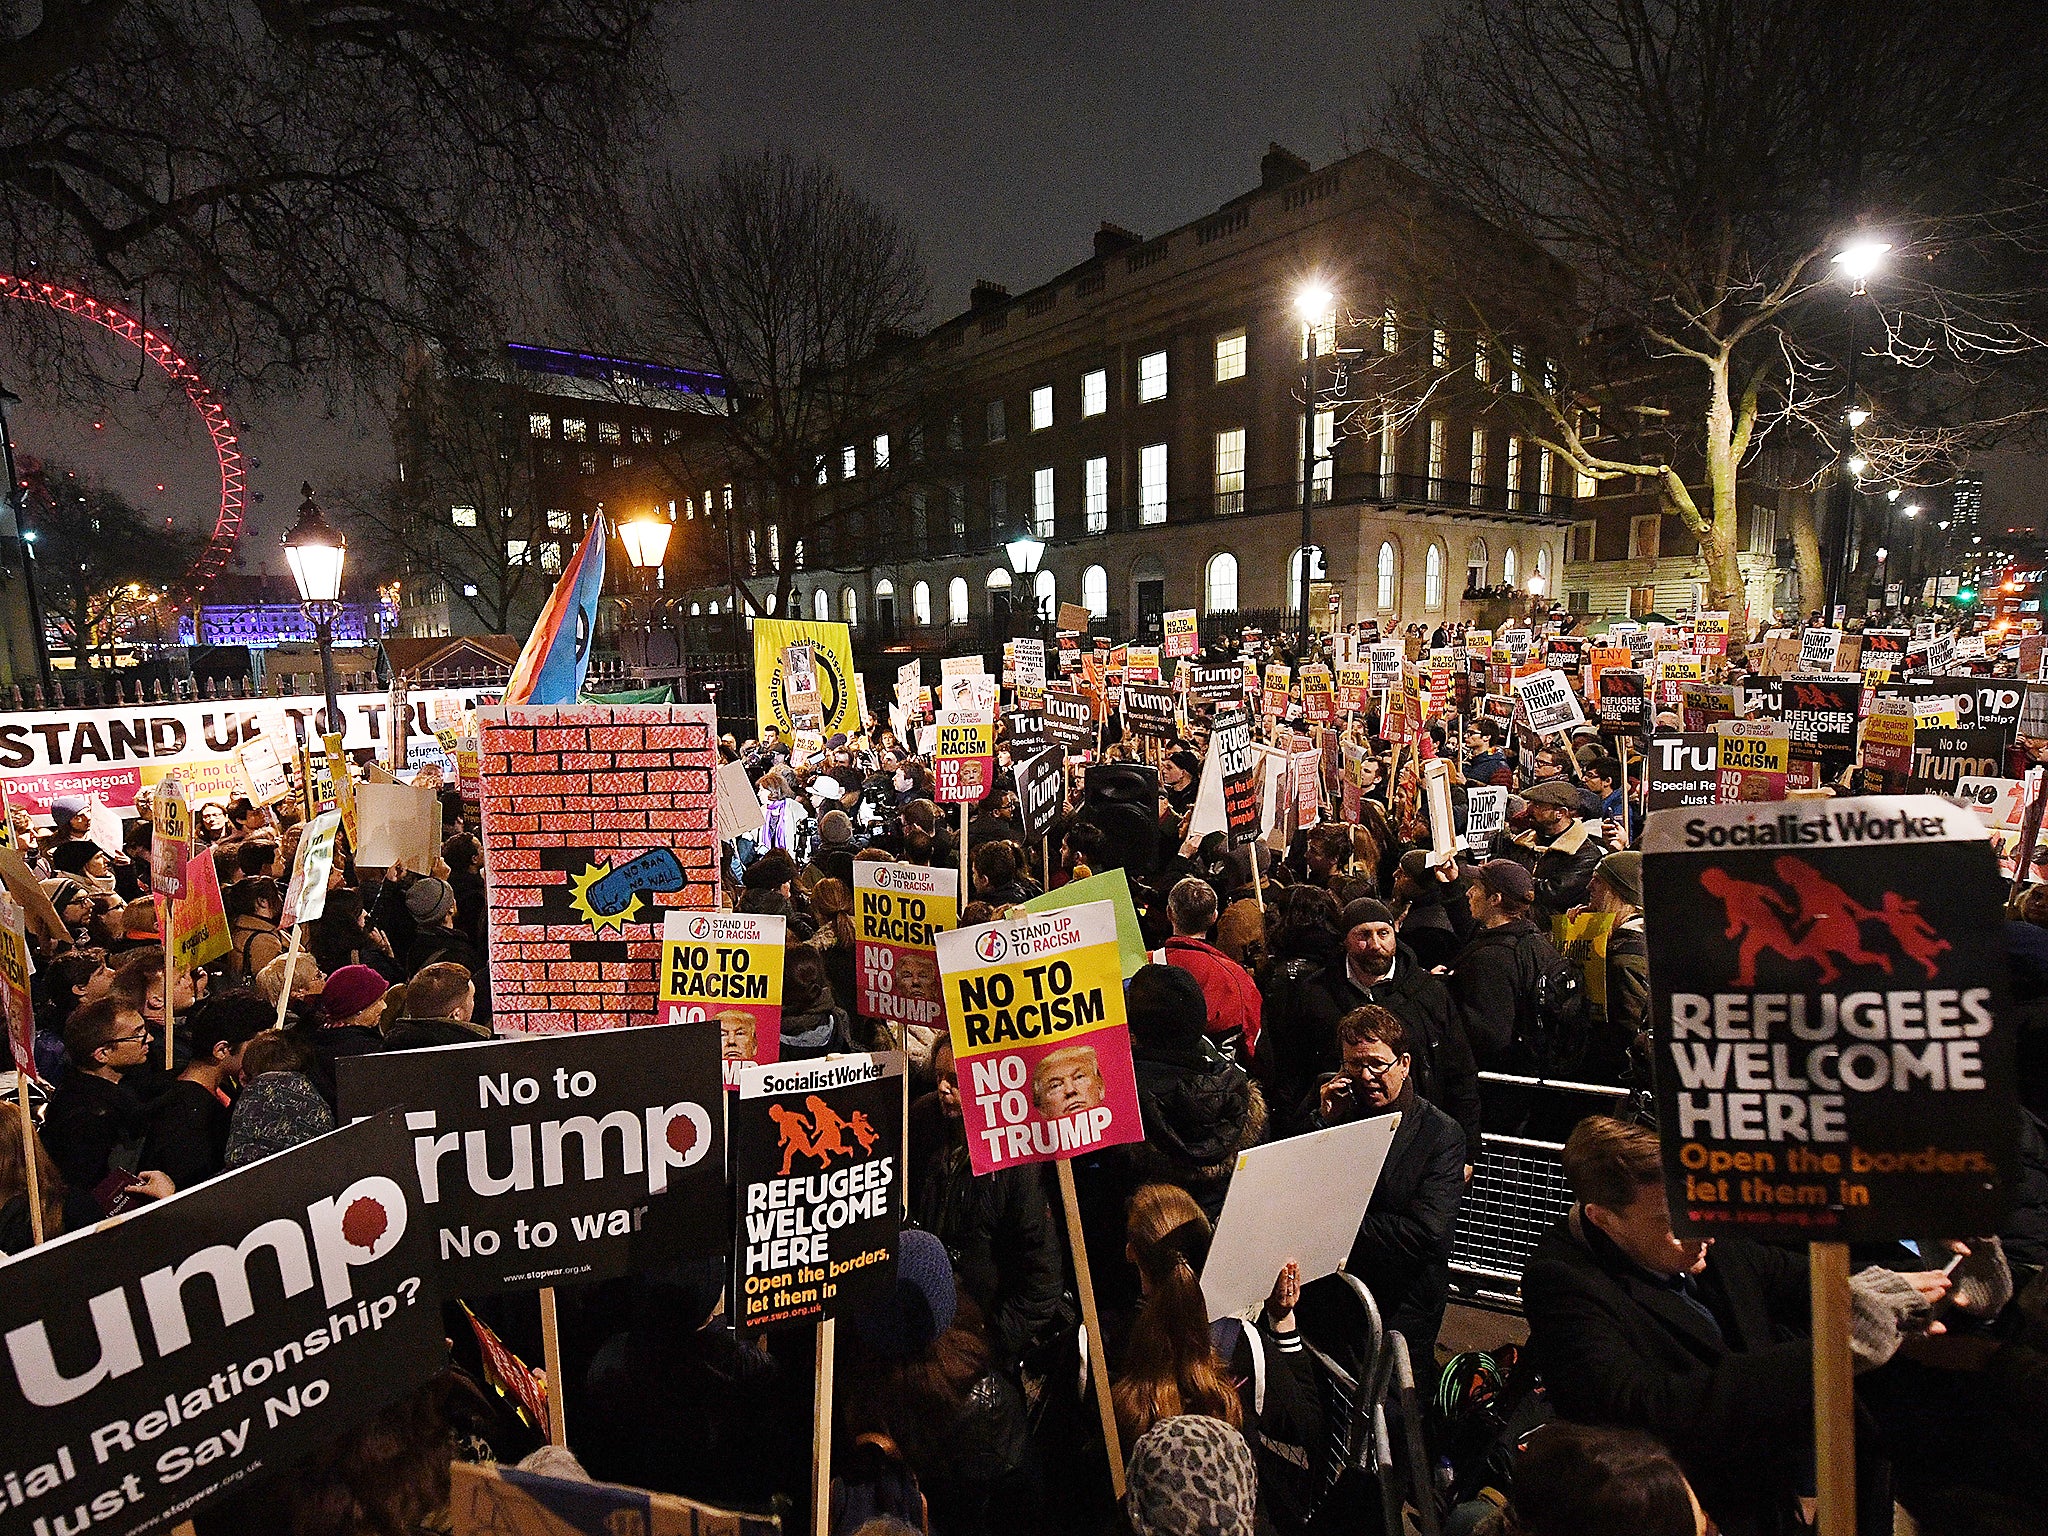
1943	757
609	1144
485	1499
816	1188
964	764
831	673
1887	742
899	910
1683	769
1299	1201
1230	744
1279	679
725	968
1940	657
399	824
1831	1061
1622	695
1180	633
1755	760
1042	1049
1041	791
1075	618
1548	698
170	841
1711	632
156	1362
1997	802
1486	813
1218	683
198	920
1352	688
1820	713
1383	667
1030	668
1318	694
1069	719
1149	710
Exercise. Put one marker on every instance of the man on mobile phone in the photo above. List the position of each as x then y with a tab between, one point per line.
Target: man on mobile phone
95	1126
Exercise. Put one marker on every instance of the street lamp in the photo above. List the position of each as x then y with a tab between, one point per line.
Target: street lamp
1024	552
316	553
646	539
1317	306
1858	260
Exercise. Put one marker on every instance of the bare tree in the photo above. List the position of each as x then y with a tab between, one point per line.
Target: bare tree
794	288
99	563
295	185
1700	162
464	510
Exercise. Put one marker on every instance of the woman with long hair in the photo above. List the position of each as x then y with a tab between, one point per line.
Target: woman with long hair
1170	1362
62	1209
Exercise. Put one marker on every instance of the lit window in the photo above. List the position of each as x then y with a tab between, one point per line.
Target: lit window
1095	494
753	553
881	450
1095	592
574	431
1041	408
558	520
1152	377
796	554
919	527
1389	453
1439	348
1390	332
670	436
1325	333
1433	578
921	602
1543	562
1439	436
769	602
821	606
1509	565
608	432
998	580
1515	366
1219	584
1475	566
1588	487
956	600
468	590
462	517
551	558
1230	353
621	460
1094	392
1550	374
1543	468
1230	470
996	429
1482	361
1041	503
696	610
540	424
998	503
1325	464
849	462
956	507
775	546
1316	572
1045	591
824	471
849	606
1152	484
956	433
1477	493
1514	473
1387	576
640	434
518	552
1645	534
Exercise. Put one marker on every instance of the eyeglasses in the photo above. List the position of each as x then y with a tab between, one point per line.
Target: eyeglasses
139	1037
1377	1070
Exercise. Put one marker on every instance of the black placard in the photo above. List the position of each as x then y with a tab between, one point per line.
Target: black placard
1230	740
559	1157
1218	682
1149	710
1069	719
1623	699
1944	756
1830	1059
160	1362
817	1185
1820	714
1041	785
1683	768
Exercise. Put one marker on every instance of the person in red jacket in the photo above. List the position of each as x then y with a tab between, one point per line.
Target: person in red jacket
1232	995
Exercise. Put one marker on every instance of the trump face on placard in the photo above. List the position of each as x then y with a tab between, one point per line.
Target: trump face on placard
1067	1081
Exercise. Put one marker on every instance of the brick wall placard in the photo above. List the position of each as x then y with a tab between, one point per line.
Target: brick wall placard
596	819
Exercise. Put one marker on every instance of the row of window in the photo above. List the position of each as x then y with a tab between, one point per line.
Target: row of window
576	429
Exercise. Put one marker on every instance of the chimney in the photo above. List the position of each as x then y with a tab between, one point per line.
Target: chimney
985	295
1278	166
1112	238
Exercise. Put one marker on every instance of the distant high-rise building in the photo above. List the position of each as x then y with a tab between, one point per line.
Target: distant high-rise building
1966	506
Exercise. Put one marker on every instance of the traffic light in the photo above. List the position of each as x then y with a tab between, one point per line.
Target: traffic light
1965	596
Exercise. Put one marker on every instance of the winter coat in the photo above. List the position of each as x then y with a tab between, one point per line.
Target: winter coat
424	1034
1563	869
1199	1110
330	1044
1610	1051
277	1111
1403	1248
1489	980
1233	997
187	1139
815	1032
998	1228
90	1124
253	942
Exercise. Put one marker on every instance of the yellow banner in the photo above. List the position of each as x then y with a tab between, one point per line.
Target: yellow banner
832	656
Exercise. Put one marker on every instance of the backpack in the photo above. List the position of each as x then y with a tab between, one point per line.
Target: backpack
1554	1017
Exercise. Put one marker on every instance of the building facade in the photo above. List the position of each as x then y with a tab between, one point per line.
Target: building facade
1142	414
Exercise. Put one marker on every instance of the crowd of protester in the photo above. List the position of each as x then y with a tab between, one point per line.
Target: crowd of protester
1344	971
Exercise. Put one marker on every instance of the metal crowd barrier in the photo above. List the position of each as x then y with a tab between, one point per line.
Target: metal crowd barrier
1518	1191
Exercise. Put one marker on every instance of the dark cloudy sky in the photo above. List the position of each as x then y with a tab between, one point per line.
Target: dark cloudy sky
1002	133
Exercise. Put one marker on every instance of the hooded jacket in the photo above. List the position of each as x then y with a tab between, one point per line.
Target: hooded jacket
1200	1110
1233	998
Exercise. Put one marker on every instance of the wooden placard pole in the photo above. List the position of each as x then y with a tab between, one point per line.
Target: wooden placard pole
821	1431
291	969
28	1159
966	890
1834	1390
164	922
551	1359
1098	1362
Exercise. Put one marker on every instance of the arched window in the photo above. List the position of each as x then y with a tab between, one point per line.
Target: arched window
1095	592
770	602
696	609
1317	571
956	600
1219	584
1433	578
1046	591
885	588
921	603
1475	566
1510	566
849	605
1389	576
998	580
1543	561
821	605
714	610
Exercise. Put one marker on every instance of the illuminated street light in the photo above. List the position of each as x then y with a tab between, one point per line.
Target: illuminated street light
1857	416
1861	257
1315	303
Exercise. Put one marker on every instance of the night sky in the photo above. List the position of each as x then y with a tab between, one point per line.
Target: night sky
1001	134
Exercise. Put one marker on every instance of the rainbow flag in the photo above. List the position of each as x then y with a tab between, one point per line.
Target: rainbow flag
551	667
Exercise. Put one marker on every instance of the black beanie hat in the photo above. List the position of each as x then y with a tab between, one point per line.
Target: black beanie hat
1166	1003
